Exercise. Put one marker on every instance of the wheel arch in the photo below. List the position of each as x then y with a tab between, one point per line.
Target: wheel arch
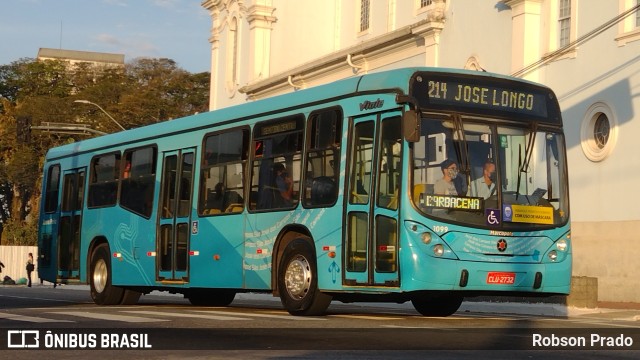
285	237
97	241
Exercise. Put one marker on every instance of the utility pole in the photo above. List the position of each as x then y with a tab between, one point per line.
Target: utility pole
101	109
23	129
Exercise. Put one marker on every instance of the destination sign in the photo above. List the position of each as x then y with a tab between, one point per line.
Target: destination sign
453	202
280	126
486	95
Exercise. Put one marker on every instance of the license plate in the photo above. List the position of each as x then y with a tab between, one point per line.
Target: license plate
505	278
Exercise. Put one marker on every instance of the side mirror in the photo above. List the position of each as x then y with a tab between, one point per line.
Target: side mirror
411	126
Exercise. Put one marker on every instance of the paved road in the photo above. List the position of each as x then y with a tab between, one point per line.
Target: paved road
256	326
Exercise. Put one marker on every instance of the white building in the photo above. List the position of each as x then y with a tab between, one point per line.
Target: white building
73	57
587	51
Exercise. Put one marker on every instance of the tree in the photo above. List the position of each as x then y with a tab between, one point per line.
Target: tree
162	91
145	91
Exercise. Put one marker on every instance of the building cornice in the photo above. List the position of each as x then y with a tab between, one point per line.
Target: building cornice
353	59
261	16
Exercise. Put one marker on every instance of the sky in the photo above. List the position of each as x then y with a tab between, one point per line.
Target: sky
174	29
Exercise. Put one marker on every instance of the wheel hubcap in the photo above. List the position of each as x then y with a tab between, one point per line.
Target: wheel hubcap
100	275
297	278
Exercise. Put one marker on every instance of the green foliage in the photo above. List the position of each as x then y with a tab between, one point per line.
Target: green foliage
142	92
18	232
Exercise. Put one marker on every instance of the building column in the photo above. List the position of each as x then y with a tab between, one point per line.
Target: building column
526	32
430	32
261	19
214	40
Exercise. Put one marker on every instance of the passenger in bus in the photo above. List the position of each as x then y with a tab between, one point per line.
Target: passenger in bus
216	199
283	183
221	199
451	183
127	170
485	186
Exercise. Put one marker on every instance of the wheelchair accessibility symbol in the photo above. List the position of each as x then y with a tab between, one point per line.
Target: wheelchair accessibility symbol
492	216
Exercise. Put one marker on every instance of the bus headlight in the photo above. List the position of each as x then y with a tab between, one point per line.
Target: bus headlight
438	250
553	255
426	238
562	245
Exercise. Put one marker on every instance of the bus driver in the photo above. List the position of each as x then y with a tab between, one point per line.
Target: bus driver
485	186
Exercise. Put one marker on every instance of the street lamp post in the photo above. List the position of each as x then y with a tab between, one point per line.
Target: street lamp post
101	109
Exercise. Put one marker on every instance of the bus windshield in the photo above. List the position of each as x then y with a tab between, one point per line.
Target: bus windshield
471	171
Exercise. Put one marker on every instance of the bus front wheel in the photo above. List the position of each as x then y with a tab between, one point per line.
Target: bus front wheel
102	291
438	305
298	280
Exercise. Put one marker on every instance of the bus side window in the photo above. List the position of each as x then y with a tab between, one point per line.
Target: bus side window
52	189
390	163
103	187
277	165
222	176
323	158
138	181
361	173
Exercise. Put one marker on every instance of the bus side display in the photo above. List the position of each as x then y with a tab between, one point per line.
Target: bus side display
491	95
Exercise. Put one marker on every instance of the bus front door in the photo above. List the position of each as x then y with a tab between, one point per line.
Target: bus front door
172	244
70	222
371	232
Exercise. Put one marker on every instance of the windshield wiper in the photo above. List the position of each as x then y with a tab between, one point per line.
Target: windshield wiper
524	166
458	130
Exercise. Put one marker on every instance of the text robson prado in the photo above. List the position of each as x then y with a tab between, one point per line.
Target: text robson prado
593	341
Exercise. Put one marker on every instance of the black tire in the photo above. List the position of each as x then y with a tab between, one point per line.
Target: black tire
102	292
130	297
210	297
437	305
298	280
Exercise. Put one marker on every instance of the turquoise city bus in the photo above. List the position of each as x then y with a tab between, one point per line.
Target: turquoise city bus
421	184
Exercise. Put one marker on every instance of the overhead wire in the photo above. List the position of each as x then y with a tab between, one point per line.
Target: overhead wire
582	39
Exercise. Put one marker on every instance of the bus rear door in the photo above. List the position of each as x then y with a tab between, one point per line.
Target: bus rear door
73	183
371	238
172	244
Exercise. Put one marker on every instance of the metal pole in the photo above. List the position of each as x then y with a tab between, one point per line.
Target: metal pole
101	109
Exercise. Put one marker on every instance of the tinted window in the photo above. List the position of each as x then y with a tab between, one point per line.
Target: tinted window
103	187
323	158
222	178
138	180
52	189
276	169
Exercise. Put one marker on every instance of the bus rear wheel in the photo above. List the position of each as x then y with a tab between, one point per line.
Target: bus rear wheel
437	305
298	280
102	291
